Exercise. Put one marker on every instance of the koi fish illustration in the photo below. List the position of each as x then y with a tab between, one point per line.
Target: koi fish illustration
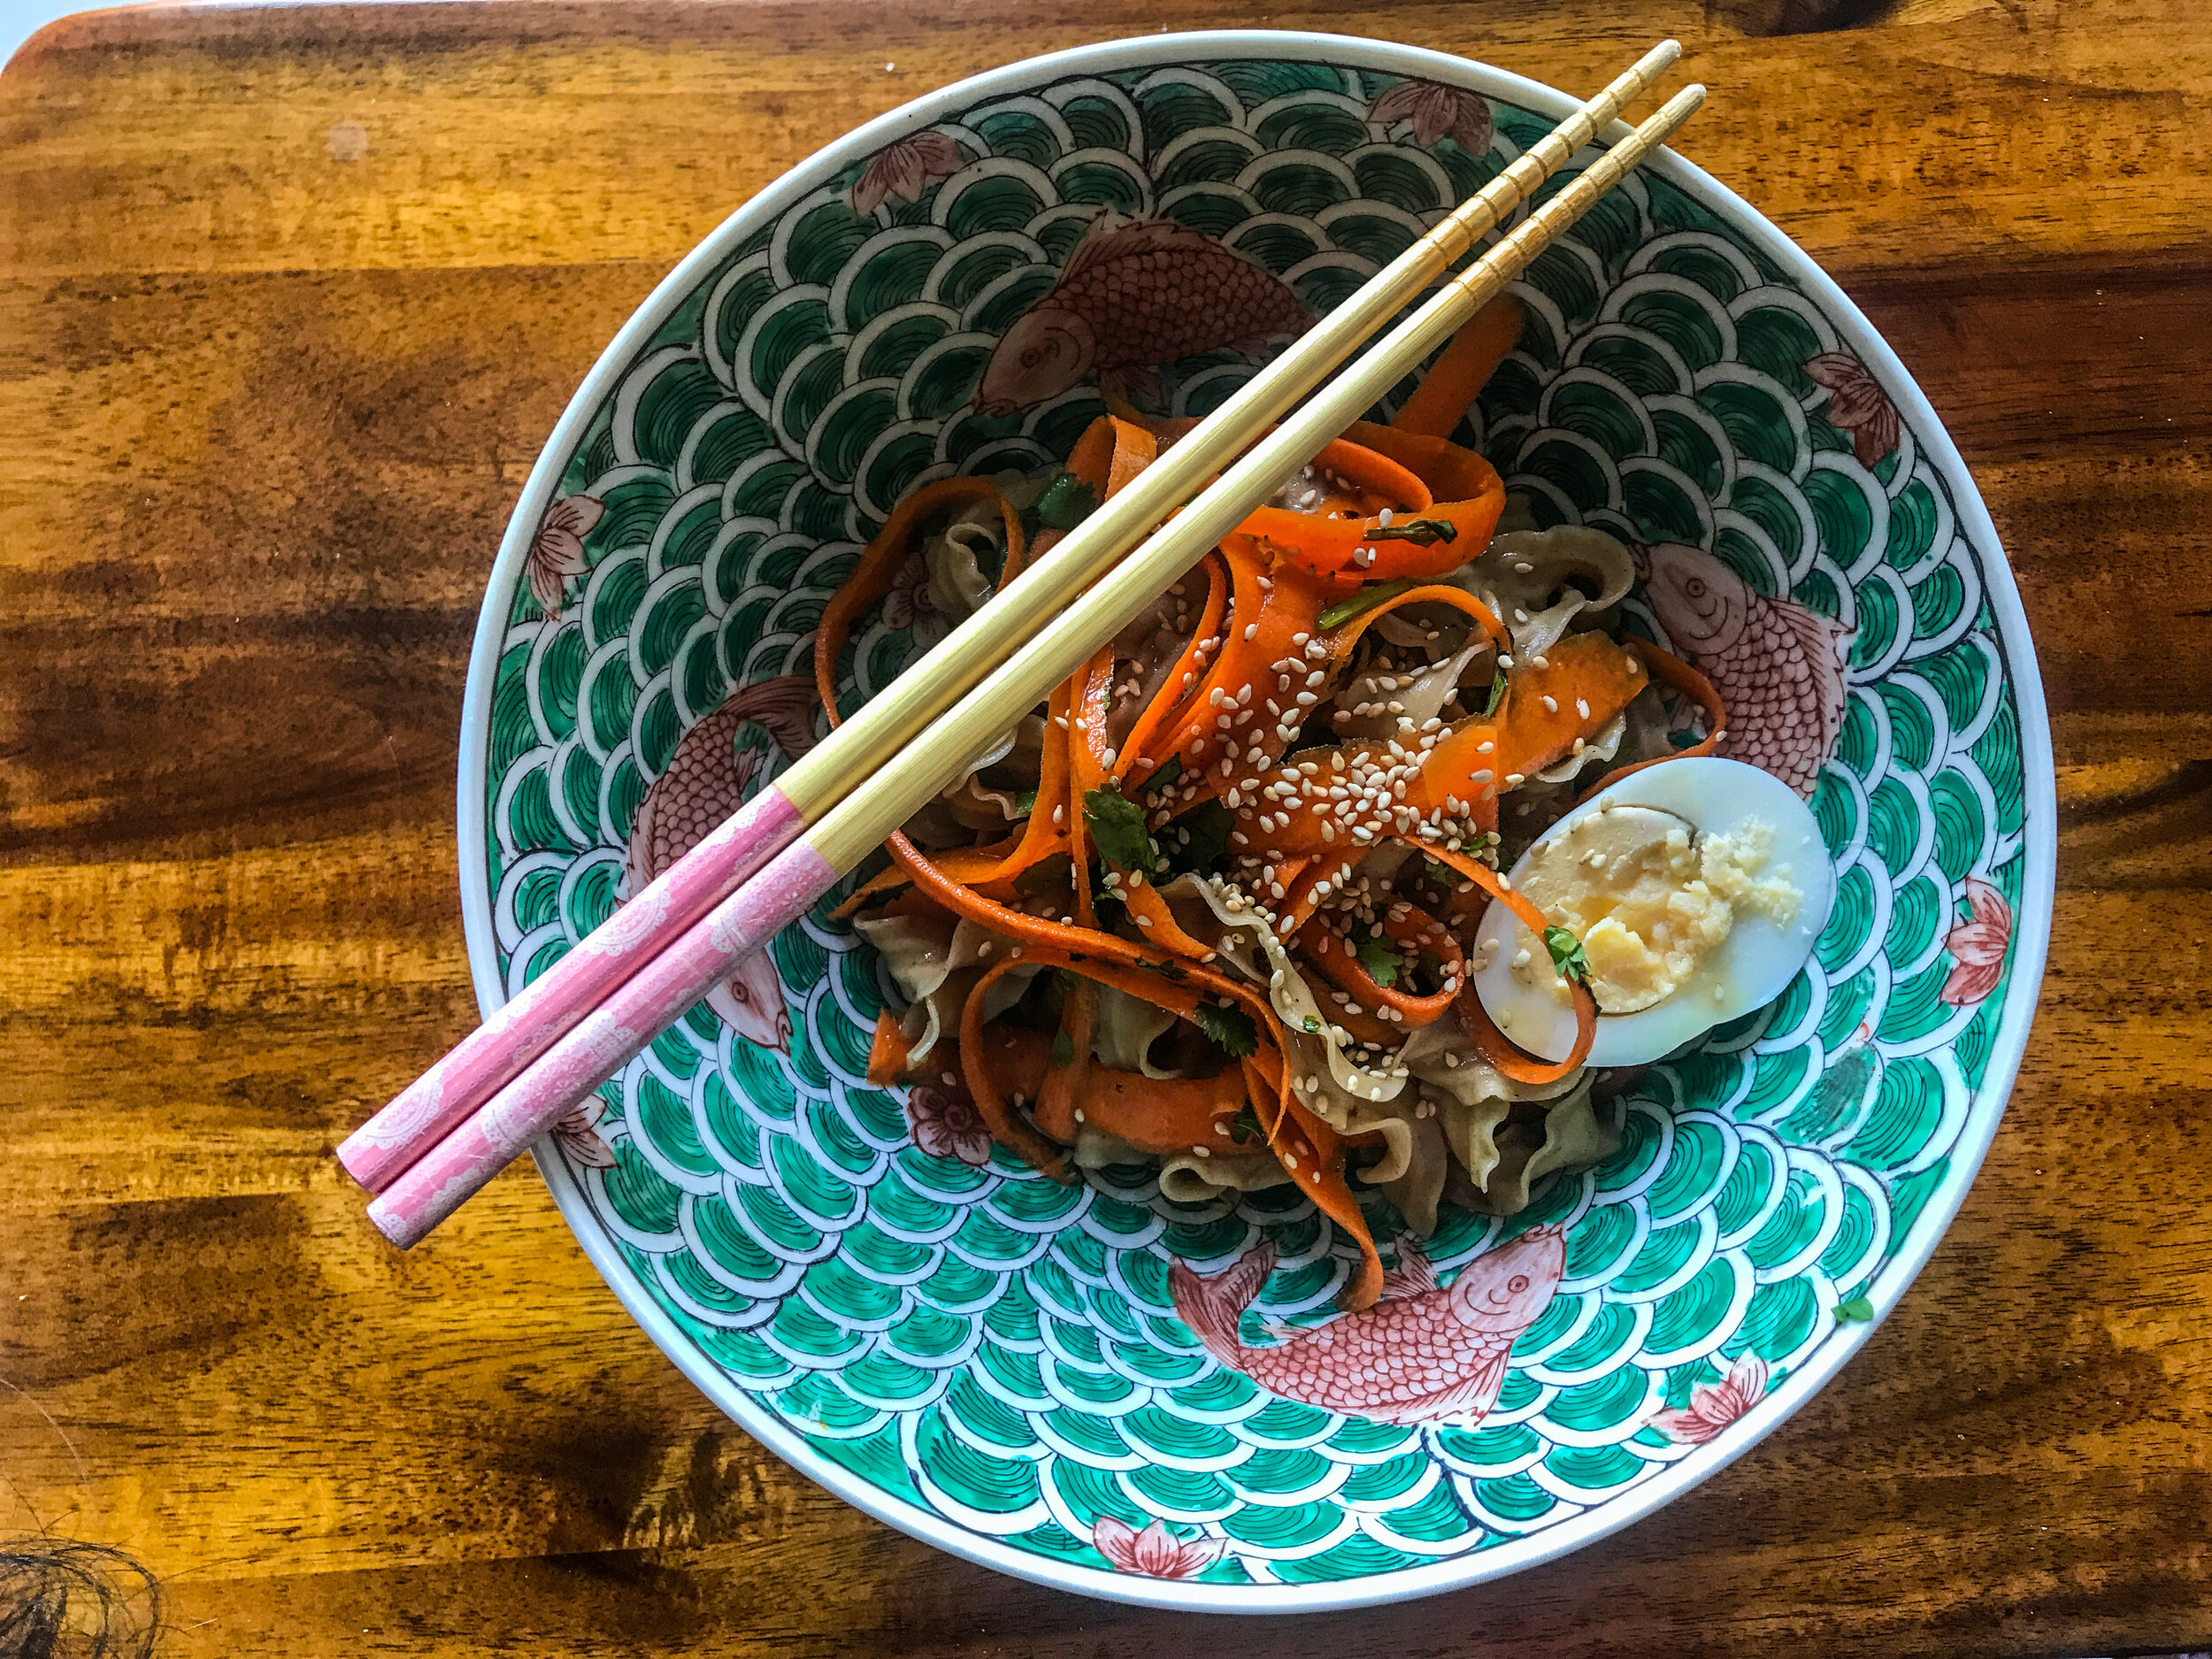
1134	294
704	784
1779	667
1419	1355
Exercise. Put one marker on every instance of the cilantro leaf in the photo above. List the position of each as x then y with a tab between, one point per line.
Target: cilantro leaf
1116	827
1497	694
1107	906
1380	958
1164	775
1312	1024
1067	501
1440	875
1208	827
1025	802
1858	1310
1063	1048
1566	954
1231	1027
1422	531
1344	610
1246	1125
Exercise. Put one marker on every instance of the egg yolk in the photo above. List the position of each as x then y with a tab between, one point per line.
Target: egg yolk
1650	898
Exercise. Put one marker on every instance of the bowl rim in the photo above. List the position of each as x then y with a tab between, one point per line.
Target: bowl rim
2039	839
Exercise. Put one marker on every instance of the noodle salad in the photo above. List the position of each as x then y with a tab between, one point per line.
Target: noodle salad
1215	903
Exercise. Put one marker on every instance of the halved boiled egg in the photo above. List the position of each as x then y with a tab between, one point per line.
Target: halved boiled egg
1696	890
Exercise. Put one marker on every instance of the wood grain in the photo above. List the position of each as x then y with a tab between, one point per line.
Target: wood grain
263	412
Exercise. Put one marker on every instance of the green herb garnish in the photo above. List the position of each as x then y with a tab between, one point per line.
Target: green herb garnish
1439	875
1566	954
1497	696
1858	1310
1107	907
1164	775
1063	1048
1208	827
1231	1027
1116	827
1380	958
1344	610
1067	501
1246	1125
1422	532
1312	1024
1025	802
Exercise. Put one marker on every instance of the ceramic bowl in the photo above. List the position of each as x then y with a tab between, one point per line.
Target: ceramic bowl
991	1361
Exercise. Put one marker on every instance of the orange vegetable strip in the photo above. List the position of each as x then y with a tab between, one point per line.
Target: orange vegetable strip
1266	612
1585	669
1346	637
1190	666
1110	452
880	563
1666	666
1040	837
1338	959
1466	365
1007	1128
1320	1176
1451	471
1089	747
1496	1047
1084	949
887	1055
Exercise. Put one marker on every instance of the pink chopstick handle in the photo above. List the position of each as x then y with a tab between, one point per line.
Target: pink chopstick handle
600	1045
547	1009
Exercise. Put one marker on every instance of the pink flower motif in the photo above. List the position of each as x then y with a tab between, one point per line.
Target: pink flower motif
579	1136
902	171
1436	111
1979	944
1856	404
1156	1552
946	1124
1714	1406
557	552
909	606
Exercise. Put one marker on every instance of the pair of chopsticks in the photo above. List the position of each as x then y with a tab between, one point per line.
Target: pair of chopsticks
569	1031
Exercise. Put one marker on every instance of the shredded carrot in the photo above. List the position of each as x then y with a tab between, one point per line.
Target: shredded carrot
1384	516
887	1055
1688	681
1441	399
882	559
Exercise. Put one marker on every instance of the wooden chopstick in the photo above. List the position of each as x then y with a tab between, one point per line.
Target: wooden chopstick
600	1045
493	1055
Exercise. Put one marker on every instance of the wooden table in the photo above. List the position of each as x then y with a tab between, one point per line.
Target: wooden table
291	298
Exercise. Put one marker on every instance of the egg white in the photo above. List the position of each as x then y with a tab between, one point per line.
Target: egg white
1752	967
